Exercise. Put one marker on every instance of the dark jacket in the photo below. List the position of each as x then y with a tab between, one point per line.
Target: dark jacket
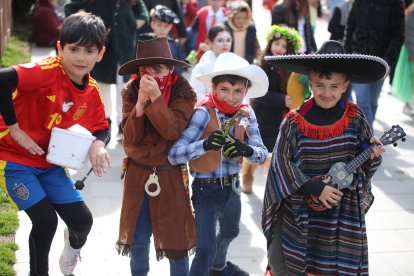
376	27
271	109
106	70
279	16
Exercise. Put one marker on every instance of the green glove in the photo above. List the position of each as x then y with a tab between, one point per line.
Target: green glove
215	141
234	148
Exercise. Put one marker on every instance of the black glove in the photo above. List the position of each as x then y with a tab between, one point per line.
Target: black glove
234	148
215	141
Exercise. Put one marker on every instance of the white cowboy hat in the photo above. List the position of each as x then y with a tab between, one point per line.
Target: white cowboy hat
232	64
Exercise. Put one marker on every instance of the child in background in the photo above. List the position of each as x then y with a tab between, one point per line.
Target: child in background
56	92
243	30
219	41
272	107
162	21
206	18
214	154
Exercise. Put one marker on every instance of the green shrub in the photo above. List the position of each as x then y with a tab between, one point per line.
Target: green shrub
6	270
7	255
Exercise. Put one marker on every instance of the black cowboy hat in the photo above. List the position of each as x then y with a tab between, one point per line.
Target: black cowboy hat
153	51
331	57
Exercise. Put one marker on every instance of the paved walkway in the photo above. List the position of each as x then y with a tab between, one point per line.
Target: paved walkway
390	221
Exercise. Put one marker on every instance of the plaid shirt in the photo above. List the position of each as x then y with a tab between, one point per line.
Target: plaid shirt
189	146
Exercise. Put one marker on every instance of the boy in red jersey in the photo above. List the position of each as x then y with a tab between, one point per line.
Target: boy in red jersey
35	97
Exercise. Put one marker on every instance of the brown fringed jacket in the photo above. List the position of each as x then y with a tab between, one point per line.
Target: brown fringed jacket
147	141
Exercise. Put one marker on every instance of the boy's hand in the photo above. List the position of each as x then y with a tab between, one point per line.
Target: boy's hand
99	157
288	101
378	148
149	86
330	196
215	141
234	148
21	138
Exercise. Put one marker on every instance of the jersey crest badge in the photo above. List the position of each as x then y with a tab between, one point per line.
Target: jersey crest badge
66	106
81	110
21	191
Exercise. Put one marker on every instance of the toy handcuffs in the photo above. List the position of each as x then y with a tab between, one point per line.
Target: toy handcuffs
153	179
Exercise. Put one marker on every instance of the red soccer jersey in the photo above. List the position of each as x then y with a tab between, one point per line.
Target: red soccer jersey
44	98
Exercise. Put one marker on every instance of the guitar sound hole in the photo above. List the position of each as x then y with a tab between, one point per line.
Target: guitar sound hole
335	185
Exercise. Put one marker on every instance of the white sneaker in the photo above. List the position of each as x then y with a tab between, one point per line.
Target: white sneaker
69	257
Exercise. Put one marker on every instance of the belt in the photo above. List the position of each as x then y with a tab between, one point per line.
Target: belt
226	181
153	168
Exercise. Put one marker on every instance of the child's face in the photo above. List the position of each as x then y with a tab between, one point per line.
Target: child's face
230	94
154	70
327	92
216	4
240	19
221	43
78	60
279	47
160	28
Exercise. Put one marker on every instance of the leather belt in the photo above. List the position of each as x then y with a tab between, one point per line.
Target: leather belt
153	168
226	181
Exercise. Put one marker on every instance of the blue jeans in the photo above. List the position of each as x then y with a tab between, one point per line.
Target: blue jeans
140	247
367	95
213	204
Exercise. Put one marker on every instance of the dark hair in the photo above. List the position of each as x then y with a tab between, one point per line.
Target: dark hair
215	30
326	74
84	29
290	50
232	79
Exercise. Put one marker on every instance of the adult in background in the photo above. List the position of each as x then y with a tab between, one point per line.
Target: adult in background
374	27
295	14
45	23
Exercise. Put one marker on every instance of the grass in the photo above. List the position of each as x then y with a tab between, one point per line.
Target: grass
18	47
9	222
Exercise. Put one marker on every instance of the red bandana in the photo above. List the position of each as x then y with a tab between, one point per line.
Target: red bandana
212	101
165	84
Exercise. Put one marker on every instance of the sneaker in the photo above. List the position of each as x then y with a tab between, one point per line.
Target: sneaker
69	257
229	270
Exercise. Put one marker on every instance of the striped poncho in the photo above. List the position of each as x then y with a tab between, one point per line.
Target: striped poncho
330	242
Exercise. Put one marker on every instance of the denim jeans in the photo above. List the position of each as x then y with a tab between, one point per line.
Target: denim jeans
367	95
140	247
214	203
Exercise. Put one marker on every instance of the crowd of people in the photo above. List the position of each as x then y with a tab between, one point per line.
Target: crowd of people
234	114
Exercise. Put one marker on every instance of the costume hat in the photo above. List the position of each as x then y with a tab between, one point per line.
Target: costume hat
164	14
153	51
232	64
331	57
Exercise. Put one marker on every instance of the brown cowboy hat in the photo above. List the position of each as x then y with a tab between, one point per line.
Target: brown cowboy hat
153	51
332	57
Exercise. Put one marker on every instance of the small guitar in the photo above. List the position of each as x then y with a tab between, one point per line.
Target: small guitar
342	174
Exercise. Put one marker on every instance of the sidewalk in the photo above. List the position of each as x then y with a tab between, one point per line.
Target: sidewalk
390	221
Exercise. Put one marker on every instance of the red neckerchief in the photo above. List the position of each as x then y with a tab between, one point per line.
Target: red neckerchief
212	101
165	84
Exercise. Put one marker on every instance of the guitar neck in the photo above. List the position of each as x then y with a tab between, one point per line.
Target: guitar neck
359	160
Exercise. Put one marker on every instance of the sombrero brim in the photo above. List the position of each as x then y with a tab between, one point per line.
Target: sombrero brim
130	67
360	68
258	78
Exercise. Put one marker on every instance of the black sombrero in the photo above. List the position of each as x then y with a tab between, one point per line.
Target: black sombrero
332	57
